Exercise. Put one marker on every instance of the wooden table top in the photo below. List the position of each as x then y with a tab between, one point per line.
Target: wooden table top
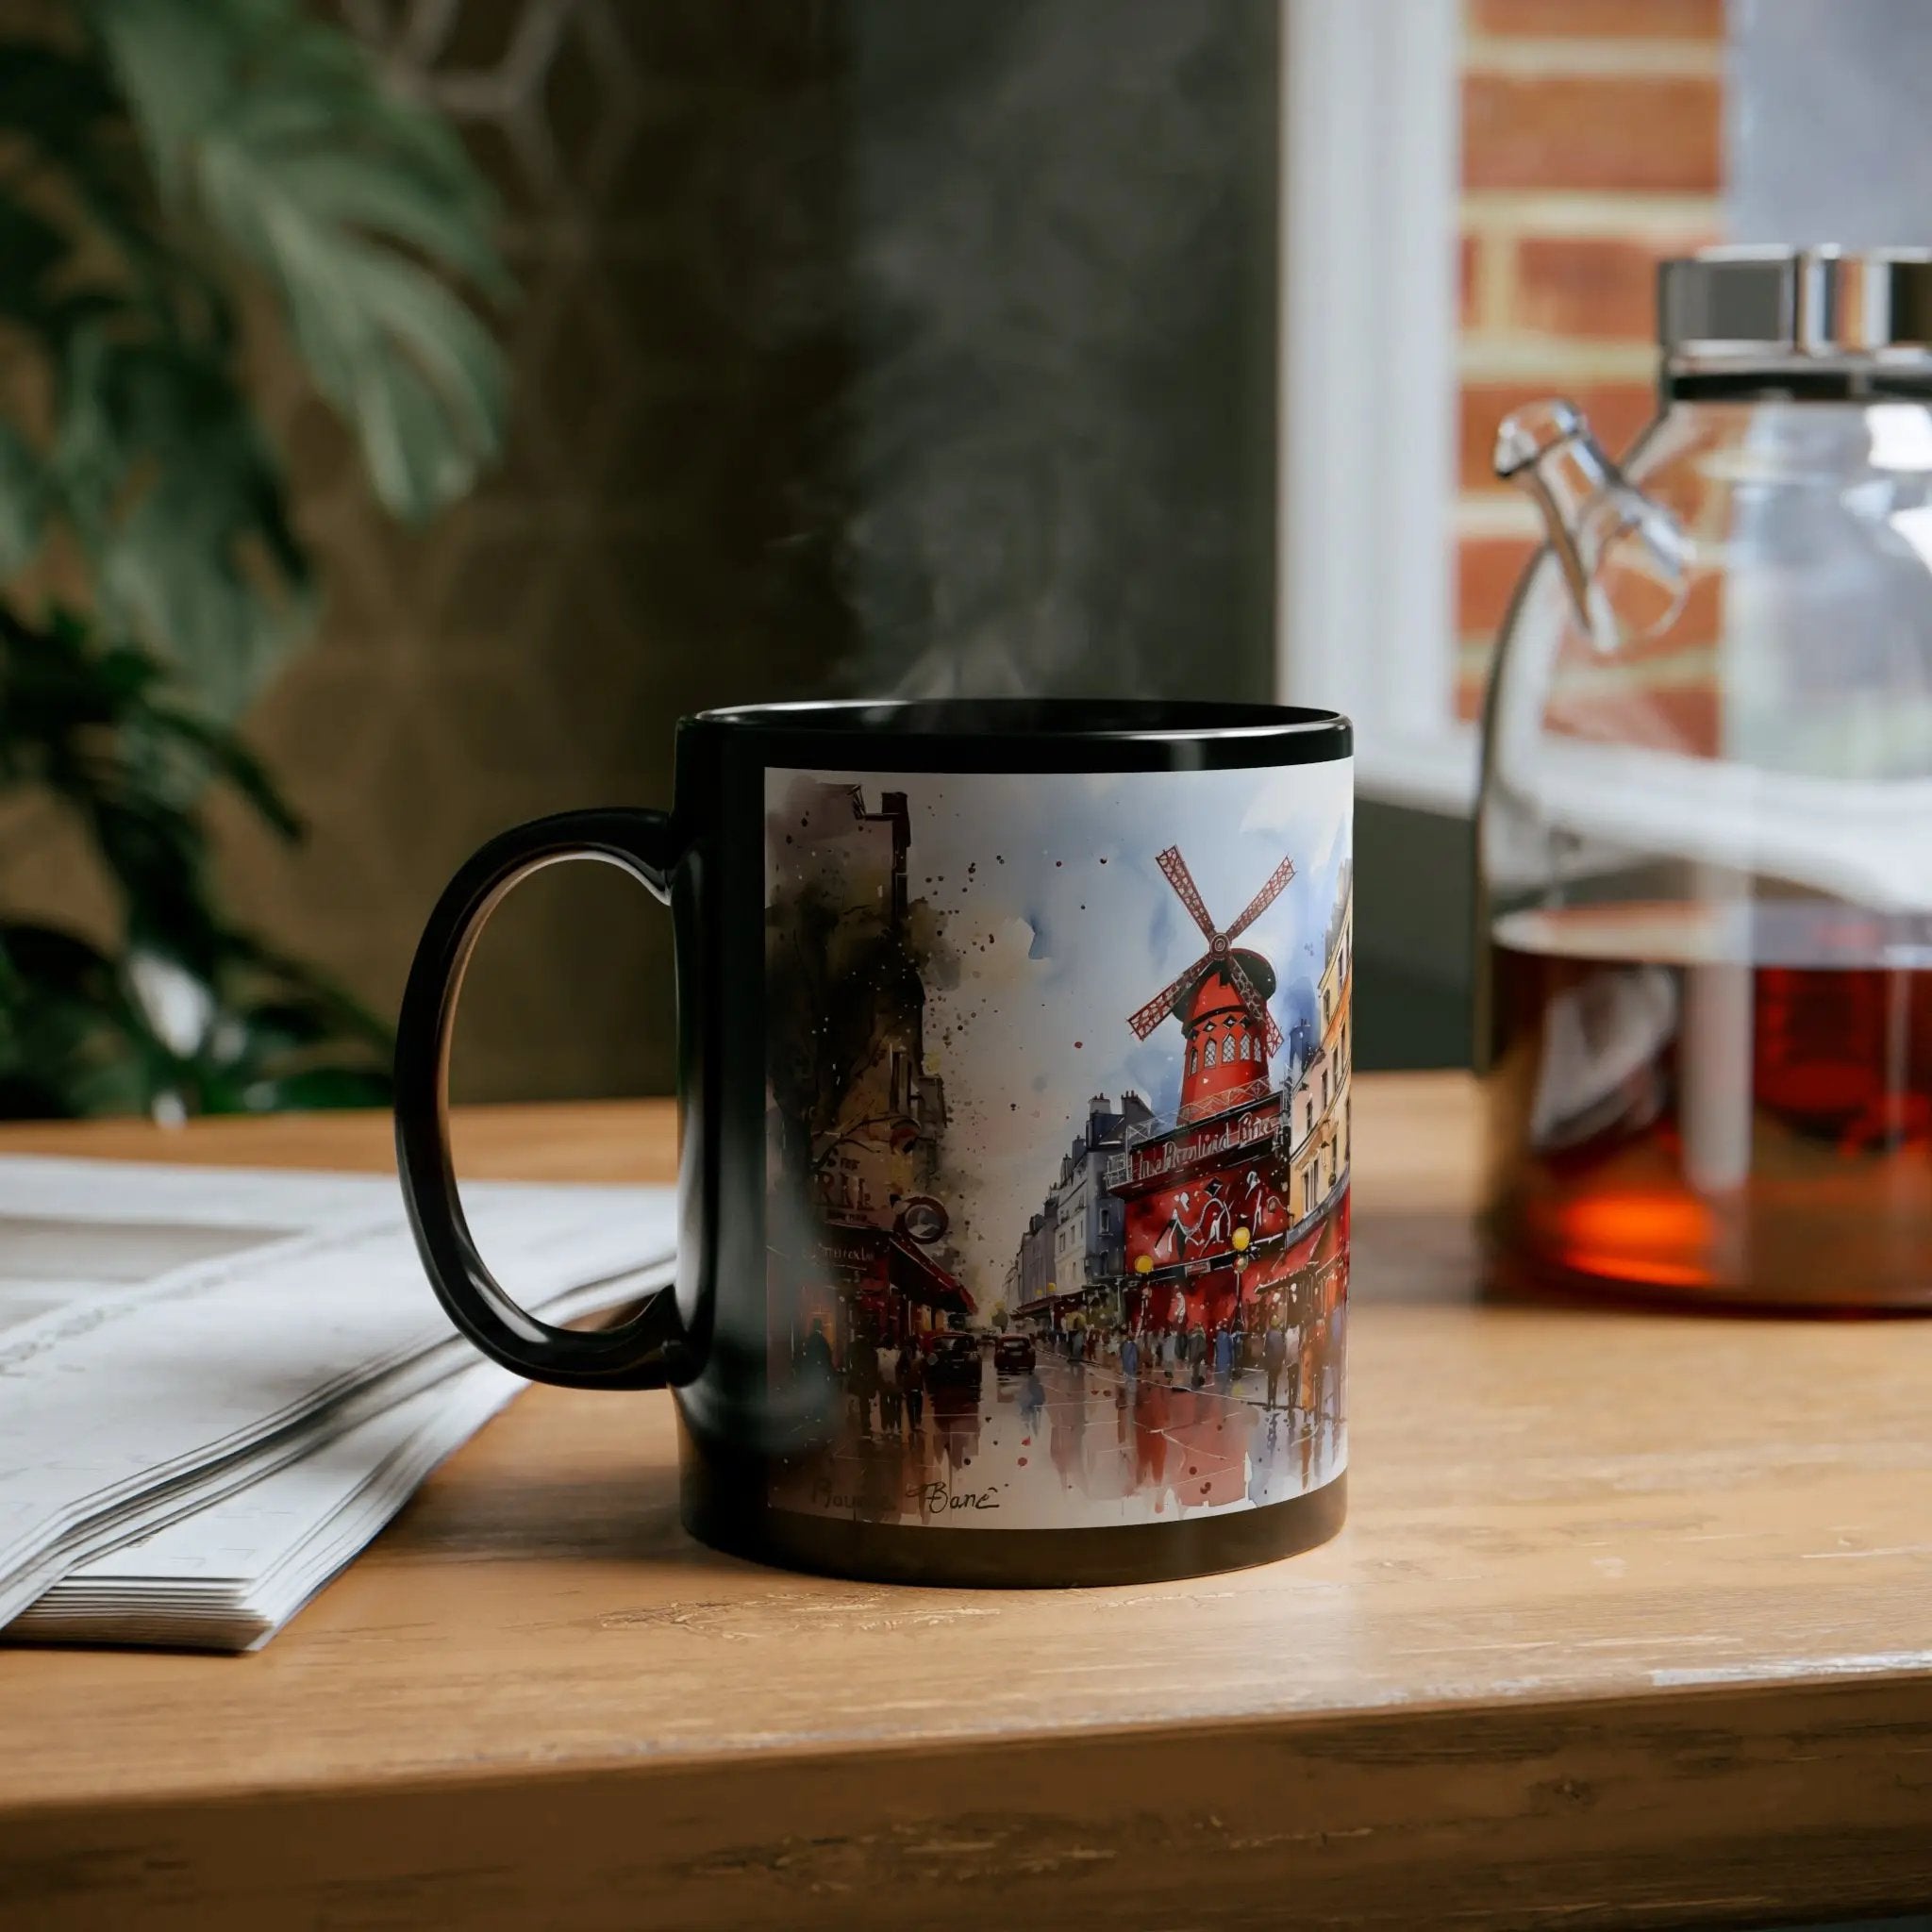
1631	1624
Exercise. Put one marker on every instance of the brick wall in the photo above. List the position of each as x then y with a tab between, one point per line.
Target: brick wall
1590	148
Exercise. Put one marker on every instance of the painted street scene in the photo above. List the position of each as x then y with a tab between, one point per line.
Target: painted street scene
1057	1162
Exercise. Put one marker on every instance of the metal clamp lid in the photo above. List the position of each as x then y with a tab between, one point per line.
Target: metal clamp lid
1747	306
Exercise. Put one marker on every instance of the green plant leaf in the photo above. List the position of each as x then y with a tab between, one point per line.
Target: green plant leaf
145	159
296	981
63	109
412	368
277	134
222	755
31	249
69	1042
23	501
177	501
52	96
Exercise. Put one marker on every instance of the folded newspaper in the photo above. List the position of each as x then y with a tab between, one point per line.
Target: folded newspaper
216	1385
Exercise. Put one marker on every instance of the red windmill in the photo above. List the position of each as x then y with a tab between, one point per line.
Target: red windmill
1221	999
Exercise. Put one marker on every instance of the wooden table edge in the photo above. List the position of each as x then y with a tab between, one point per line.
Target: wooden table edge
1508	1814
1259	1730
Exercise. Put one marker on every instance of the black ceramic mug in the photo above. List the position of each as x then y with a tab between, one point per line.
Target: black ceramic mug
1013	1067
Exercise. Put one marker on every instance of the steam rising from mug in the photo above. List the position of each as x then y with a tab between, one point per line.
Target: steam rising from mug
1062	418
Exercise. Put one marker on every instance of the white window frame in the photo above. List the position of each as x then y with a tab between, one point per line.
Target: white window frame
1366	439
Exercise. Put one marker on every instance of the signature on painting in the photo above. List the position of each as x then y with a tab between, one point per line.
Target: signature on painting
938	1499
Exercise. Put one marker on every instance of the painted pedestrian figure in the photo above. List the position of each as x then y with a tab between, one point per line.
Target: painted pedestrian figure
861	1381
910	1373
1274	1358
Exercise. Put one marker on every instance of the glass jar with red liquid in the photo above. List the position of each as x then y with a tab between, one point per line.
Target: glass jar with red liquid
1705	840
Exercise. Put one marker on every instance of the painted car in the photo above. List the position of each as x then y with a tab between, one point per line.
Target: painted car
953	1355
1013	1354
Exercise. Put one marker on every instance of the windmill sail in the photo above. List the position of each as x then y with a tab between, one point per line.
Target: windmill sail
1220	951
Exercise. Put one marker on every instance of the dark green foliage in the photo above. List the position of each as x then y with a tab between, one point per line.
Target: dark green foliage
158	157
191	1014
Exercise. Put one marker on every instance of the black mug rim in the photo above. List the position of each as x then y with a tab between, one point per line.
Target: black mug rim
1020	734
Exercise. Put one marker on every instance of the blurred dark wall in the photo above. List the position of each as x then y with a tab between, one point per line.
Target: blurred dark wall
861	345
1414	933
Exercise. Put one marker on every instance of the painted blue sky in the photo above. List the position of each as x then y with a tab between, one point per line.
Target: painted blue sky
1060	925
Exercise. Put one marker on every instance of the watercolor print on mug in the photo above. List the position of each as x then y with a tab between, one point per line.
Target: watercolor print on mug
1057	1142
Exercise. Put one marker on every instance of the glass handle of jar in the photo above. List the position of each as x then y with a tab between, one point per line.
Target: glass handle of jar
1626	560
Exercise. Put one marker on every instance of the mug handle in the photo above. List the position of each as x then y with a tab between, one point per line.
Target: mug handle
638	1353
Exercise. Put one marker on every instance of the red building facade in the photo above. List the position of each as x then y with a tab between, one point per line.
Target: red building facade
1210	1237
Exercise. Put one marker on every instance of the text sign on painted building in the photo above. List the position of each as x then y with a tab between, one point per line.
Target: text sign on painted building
853	1255
1208	1143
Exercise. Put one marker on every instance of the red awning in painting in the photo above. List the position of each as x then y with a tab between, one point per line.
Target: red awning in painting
922	1281
1321	1243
